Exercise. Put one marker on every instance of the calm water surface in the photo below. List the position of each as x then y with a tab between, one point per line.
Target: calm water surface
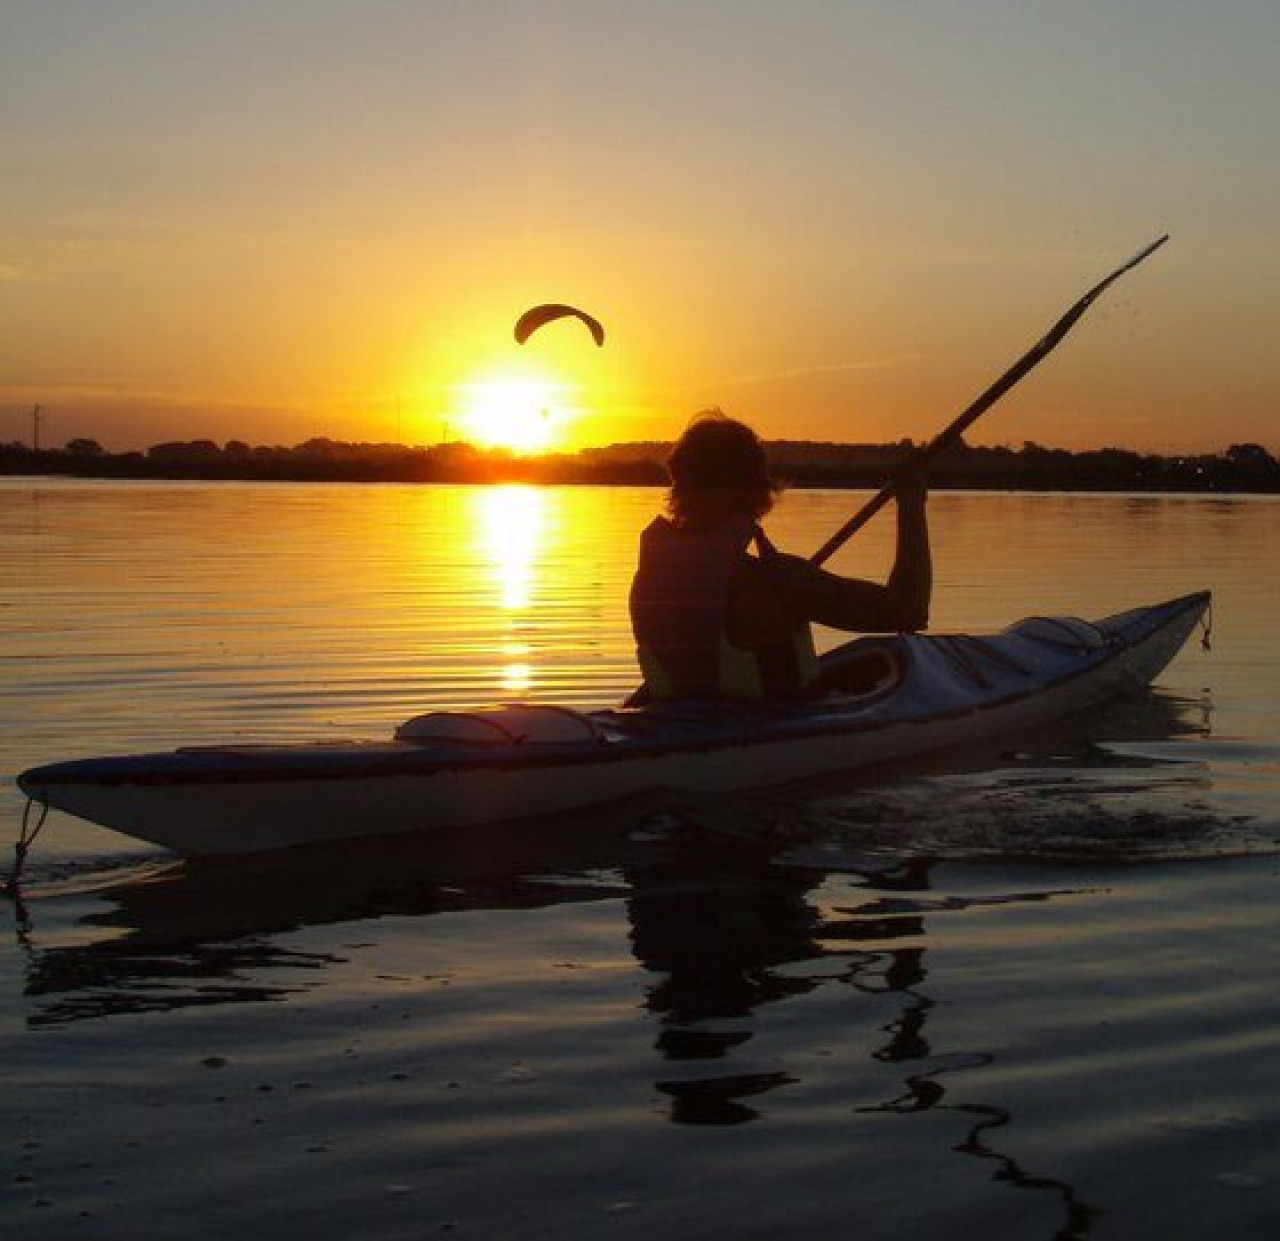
1024	993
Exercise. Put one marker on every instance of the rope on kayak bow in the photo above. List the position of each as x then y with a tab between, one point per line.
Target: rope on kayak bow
1206	627
31	826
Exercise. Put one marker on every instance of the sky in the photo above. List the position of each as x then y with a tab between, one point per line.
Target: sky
836	219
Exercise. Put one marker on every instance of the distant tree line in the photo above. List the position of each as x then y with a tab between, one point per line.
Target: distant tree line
1032	467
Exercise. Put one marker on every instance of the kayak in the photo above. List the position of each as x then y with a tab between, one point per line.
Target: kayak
891	698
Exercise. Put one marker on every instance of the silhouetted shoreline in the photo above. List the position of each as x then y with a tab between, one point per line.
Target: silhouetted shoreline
1032	467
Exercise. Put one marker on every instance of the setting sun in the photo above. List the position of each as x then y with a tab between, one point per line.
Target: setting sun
524	415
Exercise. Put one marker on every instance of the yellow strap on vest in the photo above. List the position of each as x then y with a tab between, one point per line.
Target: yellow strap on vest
739	675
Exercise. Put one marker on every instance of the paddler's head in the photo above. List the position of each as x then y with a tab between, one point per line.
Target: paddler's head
718	470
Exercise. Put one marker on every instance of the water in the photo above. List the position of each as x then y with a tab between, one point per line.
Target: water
1023	993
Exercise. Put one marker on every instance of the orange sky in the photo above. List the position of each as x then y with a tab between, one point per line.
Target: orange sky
839	221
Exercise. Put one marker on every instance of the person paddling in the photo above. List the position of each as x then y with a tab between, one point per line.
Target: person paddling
712	620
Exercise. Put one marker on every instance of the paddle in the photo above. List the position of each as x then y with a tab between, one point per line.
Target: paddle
975	411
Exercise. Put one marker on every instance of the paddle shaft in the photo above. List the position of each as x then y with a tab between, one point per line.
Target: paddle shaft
968	417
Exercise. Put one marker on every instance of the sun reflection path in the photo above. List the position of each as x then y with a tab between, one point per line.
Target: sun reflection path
511	533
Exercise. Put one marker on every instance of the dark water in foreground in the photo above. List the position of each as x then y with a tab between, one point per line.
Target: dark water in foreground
1025	993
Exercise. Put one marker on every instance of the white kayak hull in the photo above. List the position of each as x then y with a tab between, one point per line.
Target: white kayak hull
955	691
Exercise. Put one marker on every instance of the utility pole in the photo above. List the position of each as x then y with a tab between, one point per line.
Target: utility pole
35	428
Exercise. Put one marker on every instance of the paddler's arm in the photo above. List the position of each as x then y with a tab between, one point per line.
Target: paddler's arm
910	582
775	594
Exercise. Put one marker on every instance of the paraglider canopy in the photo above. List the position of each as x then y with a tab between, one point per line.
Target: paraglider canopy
537	316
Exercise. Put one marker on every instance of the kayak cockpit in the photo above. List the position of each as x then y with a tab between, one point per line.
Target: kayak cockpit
864	668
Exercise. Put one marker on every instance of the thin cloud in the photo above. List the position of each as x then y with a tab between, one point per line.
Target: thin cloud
803	372
85	389
12	273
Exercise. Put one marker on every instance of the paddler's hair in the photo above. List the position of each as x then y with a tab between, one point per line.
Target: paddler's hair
718	469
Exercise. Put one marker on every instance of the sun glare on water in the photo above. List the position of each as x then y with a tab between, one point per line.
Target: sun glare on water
524	415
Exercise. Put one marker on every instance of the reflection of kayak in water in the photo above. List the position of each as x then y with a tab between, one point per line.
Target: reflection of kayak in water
895	697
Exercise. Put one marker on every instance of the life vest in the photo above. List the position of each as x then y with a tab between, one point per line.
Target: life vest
679	609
